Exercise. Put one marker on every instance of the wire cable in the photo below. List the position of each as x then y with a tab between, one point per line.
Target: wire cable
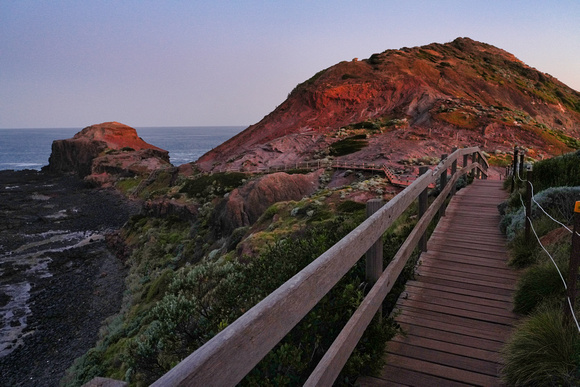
572	312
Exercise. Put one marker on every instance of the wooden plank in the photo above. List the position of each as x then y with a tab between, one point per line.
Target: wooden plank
454	303
460	258
465	241
476	300
468	253
481	239
457	321
464	245
485	278
461	290
457	349
463	376
471	268
444	325
465	280
460	287
451	337
402	377
470	302
369	381
407	303
440	357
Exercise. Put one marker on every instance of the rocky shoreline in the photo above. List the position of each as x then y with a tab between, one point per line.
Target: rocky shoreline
58	279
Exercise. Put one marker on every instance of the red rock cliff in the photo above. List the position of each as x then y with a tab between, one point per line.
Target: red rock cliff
107	148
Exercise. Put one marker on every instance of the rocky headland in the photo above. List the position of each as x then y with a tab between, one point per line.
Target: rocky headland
102	153
402	108
59	278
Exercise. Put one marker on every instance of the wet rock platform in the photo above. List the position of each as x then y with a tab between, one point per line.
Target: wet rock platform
58	279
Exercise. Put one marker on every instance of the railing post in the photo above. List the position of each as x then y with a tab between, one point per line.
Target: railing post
514	166
443	183
528	207
453	172
574	262
374	255
465	158
473	160
422	209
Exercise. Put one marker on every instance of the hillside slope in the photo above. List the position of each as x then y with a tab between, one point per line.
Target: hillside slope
410	103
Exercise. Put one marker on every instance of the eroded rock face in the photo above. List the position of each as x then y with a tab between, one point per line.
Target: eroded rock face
101	153
246	204
425	100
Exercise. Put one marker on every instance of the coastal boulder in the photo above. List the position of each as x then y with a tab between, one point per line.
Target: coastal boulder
246	204
99	153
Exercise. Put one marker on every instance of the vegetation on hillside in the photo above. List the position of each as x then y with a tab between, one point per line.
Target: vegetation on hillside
544	348
181	290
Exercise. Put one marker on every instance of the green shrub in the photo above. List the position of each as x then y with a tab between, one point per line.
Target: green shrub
348	145
543	351
558	202
205	298
349	206
540	283
522	253
217	182
557	171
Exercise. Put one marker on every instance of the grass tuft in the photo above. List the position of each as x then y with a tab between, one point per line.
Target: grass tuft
538	284
544	351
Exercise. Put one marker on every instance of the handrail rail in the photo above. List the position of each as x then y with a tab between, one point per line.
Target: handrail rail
336	356
255	333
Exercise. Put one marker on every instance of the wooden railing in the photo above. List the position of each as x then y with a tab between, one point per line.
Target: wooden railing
231	354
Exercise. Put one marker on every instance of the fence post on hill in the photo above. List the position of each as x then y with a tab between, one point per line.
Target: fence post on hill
574	262
443	183
528	207
453	172
514	166
422	209
374	255
522	155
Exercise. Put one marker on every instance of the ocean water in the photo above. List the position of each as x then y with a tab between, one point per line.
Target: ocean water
30	148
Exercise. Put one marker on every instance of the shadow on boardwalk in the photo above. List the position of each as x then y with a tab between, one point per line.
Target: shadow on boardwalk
457	313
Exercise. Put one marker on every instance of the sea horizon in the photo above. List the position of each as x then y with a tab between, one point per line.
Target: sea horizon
20	150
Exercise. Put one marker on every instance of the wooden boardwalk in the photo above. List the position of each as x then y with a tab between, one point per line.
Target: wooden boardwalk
457	313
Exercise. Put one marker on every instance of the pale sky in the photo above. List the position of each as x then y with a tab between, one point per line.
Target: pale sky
212	62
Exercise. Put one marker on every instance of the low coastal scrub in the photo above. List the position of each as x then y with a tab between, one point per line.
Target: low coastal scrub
184	287
557	172
544	349
219	183
348	145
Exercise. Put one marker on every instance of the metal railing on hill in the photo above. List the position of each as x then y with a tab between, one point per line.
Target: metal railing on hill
231	354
